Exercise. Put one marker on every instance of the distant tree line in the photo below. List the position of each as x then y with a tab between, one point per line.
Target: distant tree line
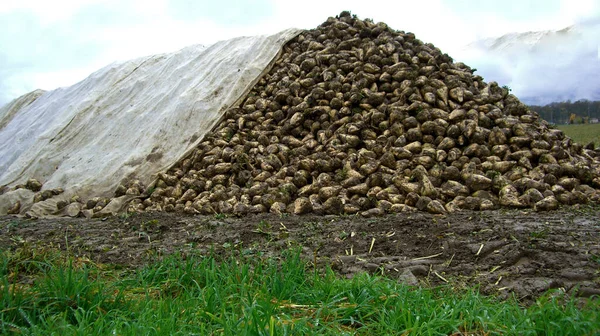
579	112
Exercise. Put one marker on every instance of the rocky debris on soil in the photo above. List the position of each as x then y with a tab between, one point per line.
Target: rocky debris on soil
356	117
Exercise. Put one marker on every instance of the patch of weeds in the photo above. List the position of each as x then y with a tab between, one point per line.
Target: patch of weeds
541	234
263	227
482	231
126	215
29	260
149	224
149	191
343	235
18	239
313	226
12	225
220	216
233	247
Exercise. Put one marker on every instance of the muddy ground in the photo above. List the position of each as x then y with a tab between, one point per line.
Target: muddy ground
502	252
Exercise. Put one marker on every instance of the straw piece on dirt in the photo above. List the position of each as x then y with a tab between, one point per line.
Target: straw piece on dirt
439	276
428	257
479	251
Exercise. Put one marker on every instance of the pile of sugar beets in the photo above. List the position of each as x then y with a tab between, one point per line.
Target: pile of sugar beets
356	117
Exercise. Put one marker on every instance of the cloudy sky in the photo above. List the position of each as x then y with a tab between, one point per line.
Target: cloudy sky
48	44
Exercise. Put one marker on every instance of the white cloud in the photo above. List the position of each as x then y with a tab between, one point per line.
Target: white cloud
575	10
47	12
43	39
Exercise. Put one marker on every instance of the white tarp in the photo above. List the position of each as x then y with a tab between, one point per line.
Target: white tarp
133	119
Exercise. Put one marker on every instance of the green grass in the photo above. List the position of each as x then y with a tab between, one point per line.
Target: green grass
583	134
248	294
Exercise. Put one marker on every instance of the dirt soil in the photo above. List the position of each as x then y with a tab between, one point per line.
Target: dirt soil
503	252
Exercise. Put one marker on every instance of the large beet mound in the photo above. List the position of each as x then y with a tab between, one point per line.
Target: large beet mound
356	117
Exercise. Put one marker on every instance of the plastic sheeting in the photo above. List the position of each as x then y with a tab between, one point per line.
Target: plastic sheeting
125	121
